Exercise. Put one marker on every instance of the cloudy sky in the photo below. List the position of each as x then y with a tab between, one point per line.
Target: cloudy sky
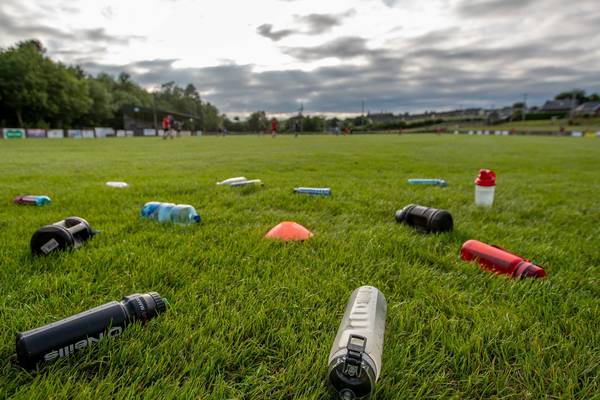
330	55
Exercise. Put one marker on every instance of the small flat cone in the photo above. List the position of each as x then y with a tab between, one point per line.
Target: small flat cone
289	231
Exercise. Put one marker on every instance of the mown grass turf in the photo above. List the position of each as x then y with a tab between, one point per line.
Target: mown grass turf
255	319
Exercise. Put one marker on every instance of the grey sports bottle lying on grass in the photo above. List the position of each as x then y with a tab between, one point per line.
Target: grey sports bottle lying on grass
355	357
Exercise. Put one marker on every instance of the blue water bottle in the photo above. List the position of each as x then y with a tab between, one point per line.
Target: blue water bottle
313	191
180	214
150	210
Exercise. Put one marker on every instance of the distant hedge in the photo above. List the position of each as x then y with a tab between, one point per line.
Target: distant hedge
544	115
408	125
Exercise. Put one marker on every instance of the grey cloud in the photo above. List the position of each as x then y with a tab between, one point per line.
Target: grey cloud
100	34
315	24
321	23
267	31
154	64
428	71
492	8
437	36
20	31
64	7
69	53
58	41
415	77
342	48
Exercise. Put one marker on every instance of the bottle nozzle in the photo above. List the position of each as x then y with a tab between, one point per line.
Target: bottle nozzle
356	346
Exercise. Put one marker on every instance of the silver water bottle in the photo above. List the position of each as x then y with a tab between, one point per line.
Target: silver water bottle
355	357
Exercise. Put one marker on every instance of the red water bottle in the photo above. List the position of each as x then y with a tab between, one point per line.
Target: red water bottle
499	261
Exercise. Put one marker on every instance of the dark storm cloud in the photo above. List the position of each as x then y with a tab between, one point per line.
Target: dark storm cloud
267	31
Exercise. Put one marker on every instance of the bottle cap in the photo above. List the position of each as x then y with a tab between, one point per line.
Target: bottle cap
161	304
441	221
486	177
527	269
401	214
352	376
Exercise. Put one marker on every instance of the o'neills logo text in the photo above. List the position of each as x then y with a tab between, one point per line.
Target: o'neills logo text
69	349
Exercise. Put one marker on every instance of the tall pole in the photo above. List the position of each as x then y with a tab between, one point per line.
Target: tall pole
154	110
524	111
362	114
571	105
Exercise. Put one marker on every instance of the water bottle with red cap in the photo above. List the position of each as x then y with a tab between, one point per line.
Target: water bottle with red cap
485	186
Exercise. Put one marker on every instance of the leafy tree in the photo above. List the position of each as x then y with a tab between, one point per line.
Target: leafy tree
313	124
211	117
257	121
594	97
35	91
68	97
23	87
102	109
577	94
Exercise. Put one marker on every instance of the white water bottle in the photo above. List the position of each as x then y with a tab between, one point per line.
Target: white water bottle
119	185
232	180
485	186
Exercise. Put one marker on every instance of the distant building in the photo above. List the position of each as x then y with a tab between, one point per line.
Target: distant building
589	109
565	105
499	116
468	112
382	118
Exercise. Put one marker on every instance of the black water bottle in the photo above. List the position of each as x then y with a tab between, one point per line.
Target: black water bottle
64	337
355	356
70	233
425	219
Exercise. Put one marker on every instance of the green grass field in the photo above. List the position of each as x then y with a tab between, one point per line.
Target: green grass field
251	318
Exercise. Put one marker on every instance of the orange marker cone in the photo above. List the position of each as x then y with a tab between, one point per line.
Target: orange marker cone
289	231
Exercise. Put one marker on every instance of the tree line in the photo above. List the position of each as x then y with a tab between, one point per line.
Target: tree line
579	95
37	92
